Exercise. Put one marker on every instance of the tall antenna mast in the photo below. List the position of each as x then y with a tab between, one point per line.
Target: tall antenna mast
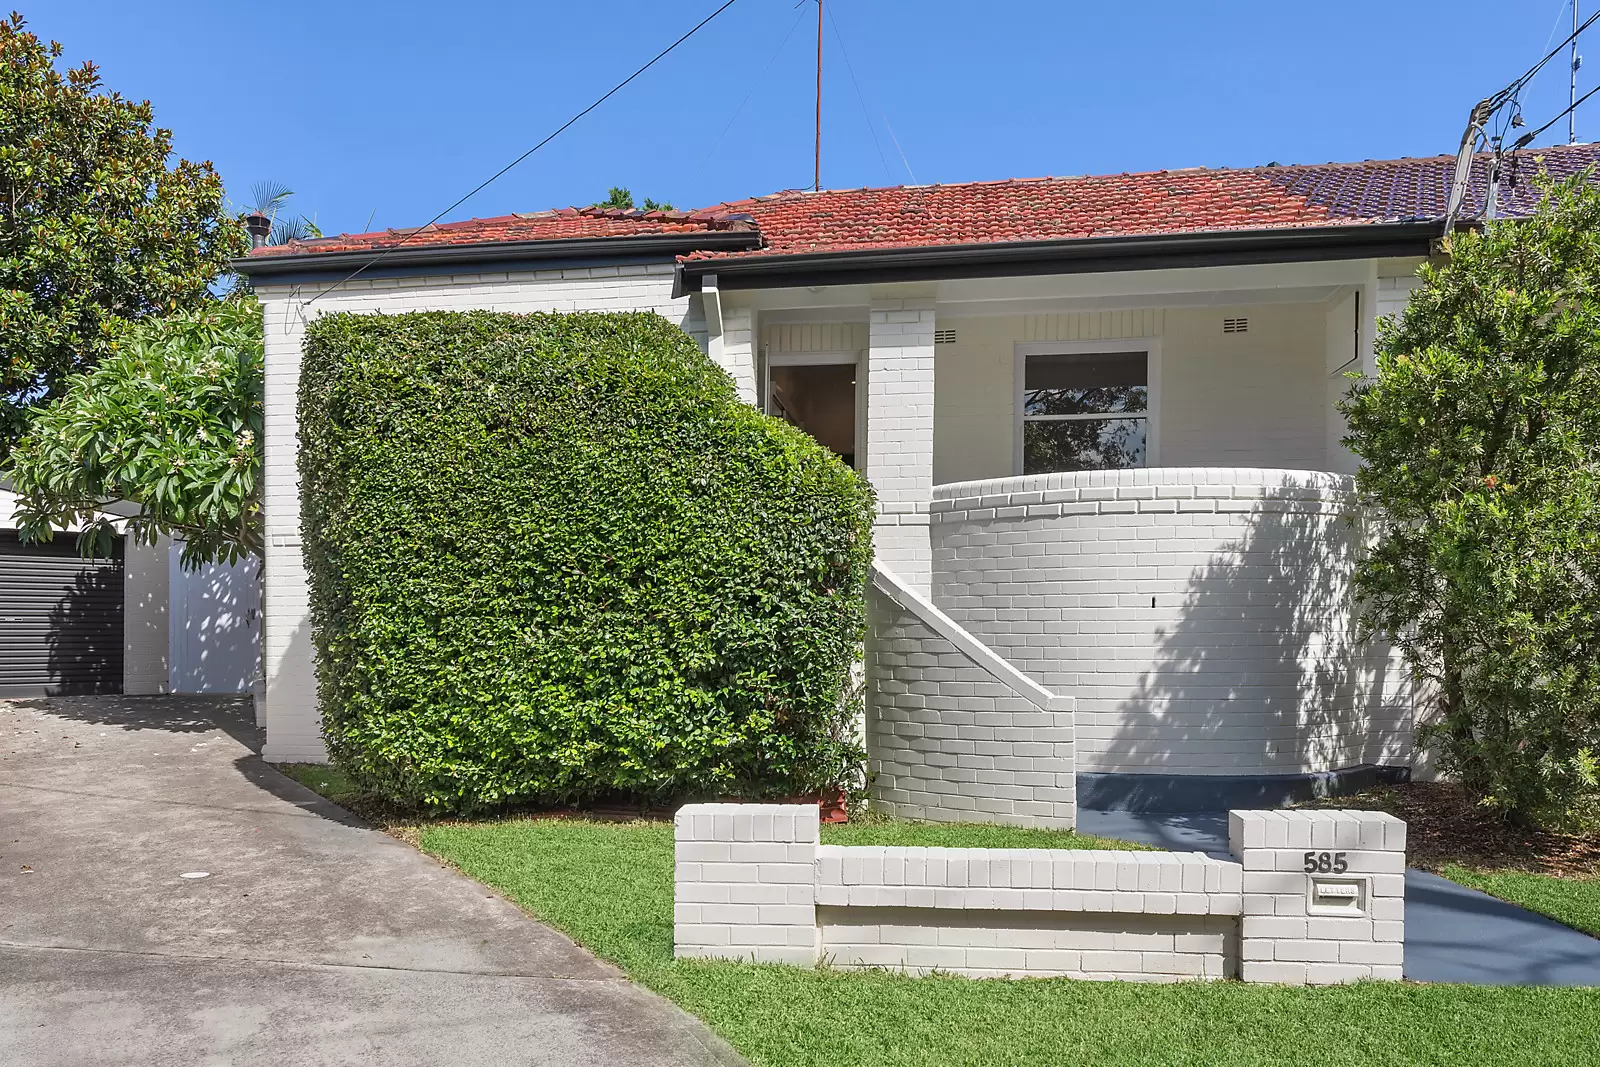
1572	93
816	179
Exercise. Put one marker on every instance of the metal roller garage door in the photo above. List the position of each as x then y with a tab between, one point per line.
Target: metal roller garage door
60	618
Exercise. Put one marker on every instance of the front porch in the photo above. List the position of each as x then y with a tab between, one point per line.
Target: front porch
1129	489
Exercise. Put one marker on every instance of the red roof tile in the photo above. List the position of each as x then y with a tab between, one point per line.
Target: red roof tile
1037	209
1028	209
561	224
1134	205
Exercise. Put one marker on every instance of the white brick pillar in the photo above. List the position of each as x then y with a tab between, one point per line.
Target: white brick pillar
744	882
293	725
900	434
1324	895
734	350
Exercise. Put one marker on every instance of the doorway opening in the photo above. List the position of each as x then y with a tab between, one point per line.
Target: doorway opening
818	394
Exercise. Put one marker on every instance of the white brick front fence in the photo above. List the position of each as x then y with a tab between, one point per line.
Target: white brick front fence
1310	897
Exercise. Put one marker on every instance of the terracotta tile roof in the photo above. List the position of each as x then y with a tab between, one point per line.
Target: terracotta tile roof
1131	205
1397	189
1026	209
560	224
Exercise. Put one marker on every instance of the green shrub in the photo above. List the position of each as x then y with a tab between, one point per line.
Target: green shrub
554	556
1480	442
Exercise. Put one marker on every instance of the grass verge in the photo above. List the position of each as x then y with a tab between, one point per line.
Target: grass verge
1570	900
609	886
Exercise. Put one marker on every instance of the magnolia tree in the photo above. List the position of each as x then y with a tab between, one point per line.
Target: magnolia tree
1480	439
166	431
96	228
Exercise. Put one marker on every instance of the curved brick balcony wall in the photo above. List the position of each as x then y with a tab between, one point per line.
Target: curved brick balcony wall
1201	618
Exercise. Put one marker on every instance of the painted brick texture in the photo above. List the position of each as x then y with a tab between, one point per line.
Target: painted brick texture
954	734
1200	616
900	432
1349	923
293	729
744	890
744	882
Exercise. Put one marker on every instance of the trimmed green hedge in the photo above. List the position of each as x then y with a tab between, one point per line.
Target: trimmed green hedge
554	556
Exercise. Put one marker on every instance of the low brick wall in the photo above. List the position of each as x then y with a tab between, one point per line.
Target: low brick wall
954	732
752	882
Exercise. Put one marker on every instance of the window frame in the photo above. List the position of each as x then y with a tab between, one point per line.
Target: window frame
1149	346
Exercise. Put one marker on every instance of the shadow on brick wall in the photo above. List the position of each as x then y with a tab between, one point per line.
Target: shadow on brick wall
1264	672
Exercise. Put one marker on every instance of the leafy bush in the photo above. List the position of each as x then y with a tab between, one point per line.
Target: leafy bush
554	556
170	422
1481	442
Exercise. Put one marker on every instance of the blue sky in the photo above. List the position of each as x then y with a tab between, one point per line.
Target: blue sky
389	111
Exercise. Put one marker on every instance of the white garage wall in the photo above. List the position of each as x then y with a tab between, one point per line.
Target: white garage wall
214	626
147	599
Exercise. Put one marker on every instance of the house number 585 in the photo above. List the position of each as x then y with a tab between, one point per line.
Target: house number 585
1326	863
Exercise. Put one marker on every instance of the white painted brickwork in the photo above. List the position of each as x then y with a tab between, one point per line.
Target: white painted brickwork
1394	294
735	351
900	432
1142	916
1351	925
1028	879
1127	947
1199	616
744	882
293	728
954	733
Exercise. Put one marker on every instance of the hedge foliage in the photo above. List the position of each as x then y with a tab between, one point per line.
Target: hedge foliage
553	556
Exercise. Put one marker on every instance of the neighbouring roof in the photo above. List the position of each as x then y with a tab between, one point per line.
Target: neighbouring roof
1193	201
561	224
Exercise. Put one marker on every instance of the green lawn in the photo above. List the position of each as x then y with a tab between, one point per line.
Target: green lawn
609	885
1574	901
876	830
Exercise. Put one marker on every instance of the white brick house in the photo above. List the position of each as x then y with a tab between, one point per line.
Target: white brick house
1099	416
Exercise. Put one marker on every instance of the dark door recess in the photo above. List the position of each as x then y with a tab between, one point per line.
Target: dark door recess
60	618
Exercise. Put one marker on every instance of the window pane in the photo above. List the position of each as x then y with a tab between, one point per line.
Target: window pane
1085	383
1082	445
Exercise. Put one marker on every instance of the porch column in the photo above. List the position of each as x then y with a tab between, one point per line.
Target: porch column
731	340
734	350
900	434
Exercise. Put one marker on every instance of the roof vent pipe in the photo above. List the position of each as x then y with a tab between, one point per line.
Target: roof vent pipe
260	228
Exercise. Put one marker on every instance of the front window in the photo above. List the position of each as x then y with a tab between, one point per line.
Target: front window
1084	411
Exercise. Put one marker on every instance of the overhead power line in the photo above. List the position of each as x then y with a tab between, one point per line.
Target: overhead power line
860	99
1478	123
755	83
1527	138
481	186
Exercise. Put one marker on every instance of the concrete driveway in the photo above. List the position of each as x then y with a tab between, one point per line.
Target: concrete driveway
311	939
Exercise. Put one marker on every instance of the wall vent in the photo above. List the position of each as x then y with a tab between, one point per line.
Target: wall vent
1240	325
944	337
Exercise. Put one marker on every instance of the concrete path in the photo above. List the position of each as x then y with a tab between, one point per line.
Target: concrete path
311	941
1453	934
